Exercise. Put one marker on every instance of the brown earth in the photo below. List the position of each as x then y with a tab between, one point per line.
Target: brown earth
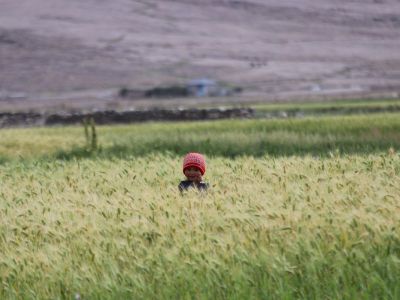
70	54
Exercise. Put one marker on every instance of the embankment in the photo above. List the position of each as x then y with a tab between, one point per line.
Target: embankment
21	119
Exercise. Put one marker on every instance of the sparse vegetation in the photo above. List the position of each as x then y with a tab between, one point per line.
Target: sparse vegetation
90	134
167	92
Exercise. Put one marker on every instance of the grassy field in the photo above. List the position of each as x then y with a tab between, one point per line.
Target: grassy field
229	138
317	107
331	106
298	209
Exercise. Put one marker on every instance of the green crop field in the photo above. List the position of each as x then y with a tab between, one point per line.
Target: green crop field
297	209
329	106
310	108
228	138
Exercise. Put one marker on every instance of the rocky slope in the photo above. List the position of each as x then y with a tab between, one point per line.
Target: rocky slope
53	52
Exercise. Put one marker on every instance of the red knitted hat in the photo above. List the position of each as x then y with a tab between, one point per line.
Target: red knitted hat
194	160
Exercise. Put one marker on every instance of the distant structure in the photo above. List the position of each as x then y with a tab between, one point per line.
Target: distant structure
202	87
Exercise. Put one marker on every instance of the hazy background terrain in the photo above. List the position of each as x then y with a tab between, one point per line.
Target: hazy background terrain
54	53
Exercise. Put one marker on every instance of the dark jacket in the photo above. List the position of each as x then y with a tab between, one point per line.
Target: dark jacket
186	184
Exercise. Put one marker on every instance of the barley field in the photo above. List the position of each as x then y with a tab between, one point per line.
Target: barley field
362	134
320	220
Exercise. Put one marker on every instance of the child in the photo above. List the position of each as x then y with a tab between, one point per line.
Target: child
194	167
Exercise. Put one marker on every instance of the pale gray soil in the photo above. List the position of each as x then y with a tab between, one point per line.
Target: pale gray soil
62	54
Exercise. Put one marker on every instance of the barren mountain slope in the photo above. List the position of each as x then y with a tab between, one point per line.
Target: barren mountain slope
269	47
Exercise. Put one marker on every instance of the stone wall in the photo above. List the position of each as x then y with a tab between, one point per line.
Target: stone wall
116	117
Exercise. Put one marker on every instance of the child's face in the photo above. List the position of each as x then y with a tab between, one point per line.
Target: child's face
193	174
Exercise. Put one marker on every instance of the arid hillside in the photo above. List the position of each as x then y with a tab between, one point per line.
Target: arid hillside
55	52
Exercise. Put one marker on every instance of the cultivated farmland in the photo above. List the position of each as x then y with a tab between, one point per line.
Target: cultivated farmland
297	209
